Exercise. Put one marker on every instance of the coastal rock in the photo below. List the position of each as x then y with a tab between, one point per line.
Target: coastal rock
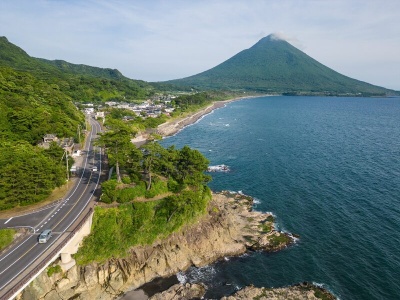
303	291
182	292
230	228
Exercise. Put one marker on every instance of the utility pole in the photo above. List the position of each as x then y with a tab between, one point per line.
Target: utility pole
66	160
79	133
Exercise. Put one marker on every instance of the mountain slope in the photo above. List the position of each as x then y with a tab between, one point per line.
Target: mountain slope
81	82
13	56
273	65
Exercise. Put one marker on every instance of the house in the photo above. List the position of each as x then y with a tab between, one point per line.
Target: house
48	138
99	114
67	144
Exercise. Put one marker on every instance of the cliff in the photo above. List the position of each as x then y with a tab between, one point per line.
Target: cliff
230	228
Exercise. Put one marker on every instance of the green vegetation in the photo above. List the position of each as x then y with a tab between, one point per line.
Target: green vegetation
277	240
192	102
266	227
172	180
6	237
31	108
53	270
275	66
116	229
37	98
154	170
80	82
28	173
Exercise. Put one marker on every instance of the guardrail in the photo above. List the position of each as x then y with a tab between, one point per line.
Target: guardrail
42	264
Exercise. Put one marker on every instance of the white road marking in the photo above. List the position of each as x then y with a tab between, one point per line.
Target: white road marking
8	220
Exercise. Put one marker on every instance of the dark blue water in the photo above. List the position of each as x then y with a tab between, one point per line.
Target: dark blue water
329	169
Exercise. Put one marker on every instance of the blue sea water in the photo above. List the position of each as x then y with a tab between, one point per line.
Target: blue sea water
329	169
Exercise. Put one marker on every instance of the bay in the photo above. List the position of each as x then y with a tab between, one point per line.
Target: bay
329	169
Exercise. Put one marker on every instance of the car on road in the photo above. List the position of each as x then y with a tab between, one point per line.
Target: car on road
94	169
44	236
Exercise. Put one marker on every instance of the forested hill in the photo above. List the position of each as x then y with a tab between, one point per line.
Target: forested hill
81	82
37	98
273	65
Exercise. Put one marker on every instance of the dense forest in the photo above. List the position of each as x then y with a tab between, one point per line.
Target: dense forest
29	109
80	82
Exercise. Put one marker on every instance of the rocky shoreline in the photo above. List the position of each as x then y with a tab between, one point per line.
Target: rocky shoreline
230	228
302	291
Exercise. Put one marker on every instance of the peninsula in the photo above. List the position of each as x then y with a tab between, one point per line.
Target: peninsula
229	228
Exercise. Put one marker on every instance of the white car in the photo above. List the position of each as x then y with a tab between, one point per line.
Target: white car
94	169
44	236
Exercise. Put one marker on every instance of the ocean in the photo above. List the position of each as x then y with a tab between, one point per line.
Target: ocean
329	169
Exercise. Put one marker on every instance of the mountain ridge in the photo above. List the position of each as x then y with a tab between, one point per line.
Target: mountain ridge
13	56
273	65
82	83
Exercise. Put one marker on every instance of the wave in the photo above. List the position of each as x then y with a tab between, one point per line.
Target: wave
325	287
182	278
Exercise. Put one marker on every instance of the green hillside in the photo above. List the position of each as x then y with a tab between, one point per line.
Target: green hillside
37	98
81	82
67	67
274	66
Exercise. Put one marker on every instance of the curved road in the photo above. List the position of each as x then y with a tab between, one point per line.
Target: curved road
61	217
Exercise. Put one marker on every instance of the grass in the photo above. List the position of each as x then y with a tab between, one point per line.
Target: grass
265	227
116	229
270	218
276	240
6	237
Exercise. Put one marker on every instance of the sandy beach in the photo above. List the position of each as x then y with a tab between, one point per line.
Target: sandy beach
172	127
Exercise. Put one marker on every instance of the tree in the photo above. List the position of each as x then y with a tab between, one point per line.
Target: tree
152	153
117	141
191	166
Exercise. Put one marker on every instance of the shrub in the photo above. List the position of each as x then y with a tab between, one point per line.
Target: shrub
126	180
158	187
109	193
53	270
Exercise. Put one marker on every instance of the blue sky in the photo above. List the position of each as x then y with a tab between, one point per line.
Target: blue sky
157	40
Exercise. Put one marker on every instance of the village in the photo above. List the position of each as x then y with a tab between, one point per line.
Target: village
151	108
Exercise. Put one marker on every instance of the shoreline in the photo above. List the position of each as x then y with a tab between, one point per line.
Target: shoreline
243	230
229	227
172	127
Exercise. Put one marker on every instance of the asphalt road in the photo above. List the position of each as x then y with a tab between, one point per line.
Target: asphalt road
60	217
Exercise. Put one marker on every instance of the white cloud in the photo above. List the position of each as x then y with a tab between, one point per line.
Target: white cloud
160	40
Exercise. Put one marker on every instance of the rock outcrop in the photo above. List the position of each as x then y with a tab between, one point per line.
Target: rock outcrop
230	228
181	291
303	291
